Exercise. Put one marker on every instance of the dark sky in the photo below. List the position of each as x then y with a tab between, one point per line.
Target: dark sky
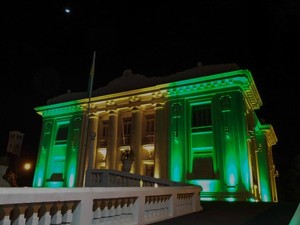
45	52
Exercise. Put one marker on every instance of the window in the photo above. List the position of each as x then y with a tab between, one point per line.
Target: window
126	131
103	134
104	129
201	163
62	134
201	116
150	124
149	170
127	127
203	167
149	129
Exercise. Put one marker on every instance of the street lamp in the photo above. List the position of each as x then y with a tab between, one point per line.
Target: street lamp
27	166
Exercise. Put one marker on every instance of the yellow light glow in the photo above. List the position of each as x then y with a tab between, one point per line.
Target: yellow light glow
149	148
27	166
102	151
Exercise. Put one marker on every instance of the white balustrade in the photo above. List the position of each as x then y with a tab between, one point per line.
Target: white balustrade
96	205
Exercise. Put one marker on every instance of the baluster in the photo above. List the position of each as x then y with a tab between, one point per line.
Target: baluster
56	214
19	215
184	203
5	220
32	215
159	205
112	210
97	211
44	214
67	213
105	211
131	208
6	215
146	211
181	202
167	200
126	208
131	202
163	205
119	207
178	202
152	206
155	206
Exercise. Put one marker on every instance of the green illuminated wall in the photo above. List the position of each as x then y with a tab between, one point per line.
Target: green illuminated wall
226	144
266	168
238	171
57	162
178	156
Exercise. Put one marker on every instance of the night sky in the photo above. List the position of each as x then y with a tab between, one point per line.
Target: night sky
46	51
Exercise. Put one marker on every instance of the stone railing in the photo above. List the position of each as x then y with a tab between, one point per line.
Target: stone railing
96	205
115	178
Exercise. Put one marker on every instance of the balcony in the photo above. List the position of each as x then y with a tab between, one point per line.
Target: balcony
148	139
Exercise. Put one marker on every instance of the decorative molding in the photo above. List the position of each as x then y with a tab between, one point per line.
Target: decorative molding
134	98
225	103
62	110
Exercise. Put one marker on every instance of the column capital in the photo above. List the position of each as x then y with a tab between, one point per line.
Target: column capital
136	109
158	106
112	112
93	115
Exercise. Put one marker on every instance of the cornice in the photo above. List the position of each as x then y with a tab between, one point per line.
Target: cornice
241	79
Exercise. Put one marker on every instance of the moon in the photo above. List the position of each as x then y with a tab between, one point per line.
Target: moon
67	10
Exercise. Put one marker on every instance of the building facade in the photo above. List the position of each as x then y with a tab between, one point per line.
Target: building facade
197	126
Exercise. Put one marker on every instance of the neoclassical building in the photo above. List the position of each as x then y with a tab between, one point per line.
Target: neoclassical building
197	126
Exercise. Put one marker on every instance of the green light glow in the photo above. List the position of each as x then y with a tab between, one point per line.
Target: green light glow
265	168
207	185
177	142
208	199
39	183
230	199
232	174
71	179
265	198
252	200
54	184
39	176
176	162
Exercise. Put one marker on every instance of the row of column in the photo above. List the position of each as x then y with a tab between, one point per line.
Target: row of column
112	156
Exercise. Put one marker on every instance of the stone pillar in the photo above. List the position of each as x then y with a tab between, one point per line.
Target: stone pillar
160	148
112	141
92	138
136	139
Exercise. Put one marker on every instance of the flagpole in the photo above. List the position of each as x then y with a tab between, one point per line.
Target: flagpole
92	73
87	161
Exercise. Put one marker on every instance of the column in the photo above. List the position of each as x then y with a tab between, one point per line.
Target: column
160	148
112	140
93	133
136	139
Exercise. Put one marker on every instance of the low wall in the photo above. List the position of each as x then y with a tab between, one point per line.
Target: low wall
96	205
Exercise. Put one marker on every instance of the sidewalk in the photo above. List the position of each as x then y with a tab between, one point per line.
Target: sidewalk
238	213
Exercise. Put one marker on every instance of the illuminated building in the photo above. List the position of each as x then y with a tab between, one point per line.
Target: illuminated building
197	126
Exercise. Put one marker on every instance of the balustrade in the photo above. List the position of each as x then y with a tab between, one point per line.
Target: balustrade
96	205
